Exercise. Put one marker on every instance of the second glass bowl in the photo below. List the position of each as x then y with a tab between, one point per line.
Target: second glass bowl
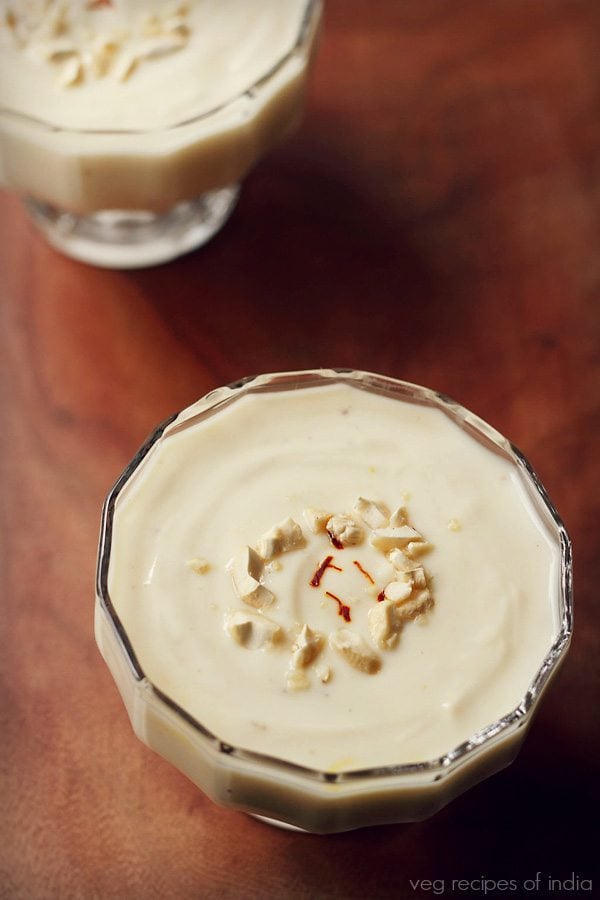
127	198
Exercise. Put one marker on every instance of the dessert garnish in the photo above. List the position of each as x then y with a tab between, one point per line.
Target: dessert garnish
403	597
84	45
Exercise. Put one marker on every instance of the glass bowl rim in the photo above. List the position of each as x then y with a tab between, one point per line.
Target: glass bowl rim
311	14
434	769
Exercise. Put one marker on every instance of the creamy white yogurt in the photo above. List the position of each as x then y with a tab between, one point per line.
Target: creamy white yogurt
221	482
142	64
92	70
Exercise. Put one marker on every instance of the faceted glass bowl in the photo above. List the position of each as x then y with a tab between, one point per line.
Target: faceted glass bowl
324	802
125	199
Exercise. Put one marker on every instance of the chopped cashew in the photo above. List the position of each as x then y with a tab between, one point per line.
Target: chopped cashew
161	45
248	562
151	26
407	569
399	560
281	538
375	515
386	539
399	517
102	56
384	624
419	578
344	530
56	51
324	674
306	648
125	66
246	569
397	591
297	681
355	650
71	73
252	630
316	519
199	565
414	549
414	607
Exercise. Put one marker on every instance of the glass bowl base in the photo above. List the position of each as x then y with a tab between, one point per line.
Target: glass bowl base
132	239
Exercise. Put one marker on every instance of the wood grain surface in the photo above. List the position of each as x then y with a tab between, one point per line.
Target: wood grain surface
437	218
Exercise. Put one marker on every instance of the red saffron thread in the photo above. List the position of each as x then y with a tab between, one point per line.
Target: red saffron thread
335	541
315	581
381	596
343	610
364	571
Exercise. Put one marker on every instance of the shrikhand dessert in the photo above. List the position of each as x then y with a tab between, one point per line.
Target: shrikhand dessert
141	105
341	572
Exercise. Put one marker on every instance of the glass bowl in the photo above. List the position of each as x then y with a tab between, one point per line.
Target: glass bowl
131	198
325	800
